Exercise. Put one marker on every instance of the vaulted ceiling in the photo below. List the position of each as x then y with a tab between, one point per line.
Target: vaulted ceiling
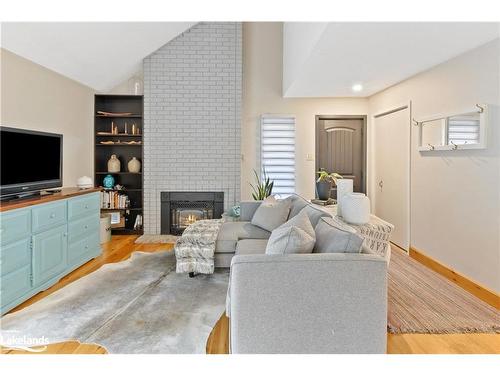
99	55
329	59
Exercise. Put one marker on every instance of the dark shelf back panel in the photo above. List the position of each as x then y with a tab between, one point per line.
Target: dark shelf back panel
120	103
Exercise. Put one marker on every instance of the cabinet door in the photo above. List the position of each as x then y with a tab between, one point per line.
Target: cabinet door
49	254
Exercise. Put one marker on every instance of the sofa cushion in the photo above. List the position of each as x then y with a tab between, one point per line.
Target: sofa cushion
271	213
334	236
314	214
296	236
289	240
250	246
231	232
297	203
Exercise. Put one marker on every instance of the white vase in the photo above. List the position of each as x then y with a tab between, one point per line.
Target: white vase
134	165
113	164
356	208
344	186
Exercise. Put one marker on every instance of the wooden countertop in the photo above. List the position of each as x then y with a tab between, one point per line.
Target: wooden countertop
45	198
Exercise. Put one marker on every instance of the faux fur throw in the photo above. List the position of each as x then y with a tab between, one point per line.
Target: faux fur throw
195	249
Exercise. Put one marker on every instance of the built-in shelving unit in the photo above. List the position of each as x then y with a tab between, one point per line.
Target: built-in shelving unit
132	182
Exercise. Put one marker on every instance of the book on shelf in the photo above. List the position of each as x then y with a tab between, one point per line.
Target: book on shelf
114	200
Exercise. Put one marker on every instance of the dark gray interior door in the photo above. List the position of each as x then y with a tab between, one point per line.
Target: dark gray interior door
340	149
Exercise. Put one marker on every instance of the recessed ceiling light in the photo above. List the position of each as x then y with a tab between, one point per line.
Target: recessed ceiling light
357	87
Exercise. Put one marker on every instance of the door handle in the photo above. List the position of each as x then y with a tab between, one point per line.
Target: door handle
381	184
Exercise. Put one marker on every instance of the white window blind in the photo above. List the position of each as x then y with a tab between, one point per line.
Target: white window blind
463	130
278	152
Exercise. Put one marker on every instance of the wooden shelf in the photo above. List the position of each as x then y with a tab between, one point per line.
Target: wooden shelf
138	173
119	135
120	190
122	209
118	144
113	117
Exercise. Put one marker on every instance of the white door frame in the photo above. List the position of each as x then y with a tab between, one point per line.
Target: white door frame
393	109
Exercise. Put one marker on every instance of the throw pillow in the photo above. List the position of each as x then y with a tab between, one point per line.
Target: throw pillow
289	240
333	236
301	221
297	203
314	214
271	214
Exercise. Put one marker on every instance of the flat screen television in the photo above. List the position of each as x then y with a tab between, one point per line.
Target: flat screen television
30	161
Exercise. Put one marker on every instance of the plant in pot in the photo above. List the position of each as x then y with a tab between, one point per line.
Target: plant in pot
263	187
325	182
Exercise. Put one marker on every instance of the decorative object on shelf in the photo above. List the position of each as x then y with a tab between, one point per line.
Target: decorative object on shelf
135	129
108	182
119	187
125	131
84	182
263	188
134	165
325	182
356	208
107	142
114	114
344	186
135	85
111	199
114	164
328	202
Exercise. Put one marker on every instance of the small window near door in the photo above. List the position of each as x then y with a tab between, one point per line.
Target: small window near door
278	152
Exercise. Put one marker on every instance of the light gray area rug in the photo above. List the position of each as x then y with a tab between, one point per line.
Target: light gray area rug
137	306
422	301
157	238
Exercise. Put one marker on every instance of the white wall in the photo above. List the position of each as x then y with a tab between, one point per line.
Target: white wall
455	197
262	93
36	98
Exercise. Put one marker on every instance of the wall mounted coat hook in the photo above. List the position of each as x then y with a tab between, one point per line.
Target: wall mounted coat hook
481	109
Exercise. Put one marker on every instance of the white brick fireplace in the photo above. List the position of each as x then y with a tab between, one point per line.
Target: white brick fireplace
192	116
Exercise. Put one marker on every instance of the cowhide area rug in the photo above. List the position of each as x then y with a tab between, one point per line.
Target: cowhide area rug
136	306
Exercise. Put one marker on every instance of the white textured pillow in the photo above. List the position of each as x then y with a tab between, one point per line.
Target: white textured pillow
296	236
271	213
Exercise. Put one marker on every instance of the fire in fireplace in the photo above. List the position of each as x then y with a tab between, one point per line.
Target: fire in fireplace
180	209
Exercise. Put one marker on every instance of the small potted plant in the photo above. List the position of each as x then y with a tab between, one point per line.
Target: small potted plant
325	182
263	188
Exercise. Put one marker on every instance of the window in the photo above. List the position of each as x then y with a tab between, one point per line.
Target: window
463	129
278	152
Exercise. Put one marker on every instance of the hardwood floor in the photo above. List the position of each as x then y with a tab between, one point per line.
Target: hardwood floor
120	249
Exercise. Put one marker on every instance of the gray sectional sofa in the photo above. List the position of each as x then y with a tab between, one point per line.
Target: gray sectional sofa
300	303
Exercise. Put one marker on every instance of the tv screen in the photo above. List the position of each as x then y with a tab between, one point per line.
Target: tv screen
30	160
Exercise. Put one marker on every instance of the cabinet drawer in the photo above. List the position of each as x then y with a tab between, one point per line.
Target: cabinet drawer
82	206
50	250
48	216
84	248
15	255
15	225
85	227
14	284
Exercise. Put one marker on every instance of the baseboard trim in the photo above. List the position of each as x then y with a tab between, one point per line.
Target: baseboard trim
469	285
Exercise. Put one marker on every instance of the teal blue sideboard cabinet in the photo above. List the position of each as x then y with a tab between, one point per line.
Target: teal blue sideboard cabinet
43	240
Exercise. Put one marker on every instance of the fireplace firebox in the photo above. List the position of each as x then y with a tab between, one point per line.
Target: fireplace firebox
180	209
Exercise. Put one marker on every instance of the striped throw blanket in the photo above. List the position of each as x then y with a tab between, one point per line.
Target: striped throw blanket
195	249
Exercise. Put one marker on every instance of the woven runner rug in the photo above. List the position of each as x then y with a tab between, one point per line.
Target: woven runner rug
422	301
